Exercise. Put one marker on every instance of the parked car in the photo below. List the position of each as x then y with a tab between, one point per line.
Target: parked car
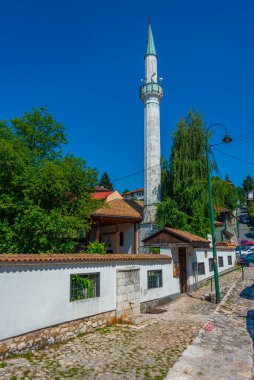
249	250
251	231
245	220
247	260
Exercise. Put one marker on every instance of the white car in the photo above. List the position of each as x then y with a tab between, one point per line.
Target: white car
250	250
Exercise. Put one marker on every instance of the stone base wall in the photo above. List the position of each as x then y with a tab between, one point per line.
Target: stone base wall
127	293
58	333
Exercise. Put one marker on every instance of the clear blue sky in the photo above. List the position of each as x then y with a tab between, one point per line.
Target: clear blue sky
84	60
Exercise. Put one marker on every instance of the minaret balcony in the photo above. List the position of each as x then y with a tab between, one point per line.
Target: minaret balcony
150	89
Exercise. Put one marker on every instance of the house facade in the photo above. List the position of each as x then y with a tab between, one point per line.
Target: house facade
137	194
191	257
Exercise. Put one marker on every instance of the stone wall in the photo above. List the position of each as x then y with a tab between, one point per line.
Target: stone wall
127	292
58	333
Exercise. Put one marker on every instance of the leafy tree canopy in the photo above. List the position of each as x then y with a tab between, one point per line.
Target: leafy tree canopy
185	186
45	198
185	202
248	184
224	193
105	181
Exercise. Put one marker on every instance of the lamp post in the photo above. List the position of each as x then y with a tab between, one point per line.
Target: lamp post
227	139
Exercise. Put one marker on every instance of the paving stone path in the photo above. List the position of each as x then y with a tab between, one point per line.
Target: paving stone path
223	350
114	352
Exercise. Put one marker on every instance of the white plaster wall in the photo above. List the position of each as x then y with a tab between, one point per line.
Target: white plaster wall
128	231
34	297
174	281
202	255
169	285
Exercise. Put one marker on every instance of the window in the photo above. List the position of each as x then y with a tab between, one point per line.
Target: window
121	239
154	279
211	265
84	286
220	258
201	268
229	260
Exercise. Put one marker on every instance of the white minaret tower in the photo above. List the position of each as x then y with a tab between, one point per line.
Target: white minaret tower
151	93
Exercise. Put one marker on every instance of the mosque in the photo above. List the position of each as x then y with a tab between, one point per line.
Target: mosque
124	223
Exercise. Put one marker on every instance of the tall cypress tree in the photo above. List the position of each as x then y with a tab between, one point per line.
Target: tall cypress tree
188	175
105	181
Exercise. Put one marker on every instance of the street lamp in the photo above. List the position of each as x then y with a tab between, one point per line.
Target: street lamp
227	139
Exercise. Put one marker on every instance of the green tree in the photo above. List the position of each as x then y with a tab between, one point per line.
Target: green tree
169	215
251	212
187	183
241	195
248	184
45	198
39	131
105	181
165	175
224	193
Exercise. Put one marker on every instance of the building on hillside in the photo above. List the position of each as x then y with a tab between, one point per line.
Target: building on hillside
137	194
250	195
192	257
100	192
225	226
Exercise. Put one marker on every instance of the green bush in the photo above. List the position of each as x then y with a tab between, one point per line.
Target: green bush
96	247
251	212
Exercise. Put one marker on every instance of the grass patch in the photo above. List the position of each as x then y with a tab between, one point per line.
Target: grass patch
3	365
105	330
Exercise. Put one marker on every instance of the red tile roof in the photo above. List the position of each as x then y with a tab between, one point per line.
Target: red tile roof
141	189
173	236
101	194
187	235
63	257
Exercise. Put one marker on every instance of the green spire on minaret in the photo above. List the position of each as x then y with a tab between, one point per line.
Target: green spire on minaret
150	47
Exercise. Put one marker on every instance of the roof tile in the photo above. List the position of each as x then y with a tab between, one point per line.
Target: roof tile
121	208
63	257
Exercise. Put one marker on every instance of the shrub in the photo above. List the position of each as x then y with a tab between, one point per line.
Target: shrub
96	247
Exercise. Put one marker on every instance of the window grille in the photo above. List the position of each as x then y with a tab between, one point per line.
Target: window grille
154	279
220	259
229	260
121	239
84	286
211	265
201	268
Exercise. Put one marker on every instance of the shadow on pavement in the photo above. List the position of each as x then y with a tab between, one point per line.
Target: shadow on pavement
248	293
250	324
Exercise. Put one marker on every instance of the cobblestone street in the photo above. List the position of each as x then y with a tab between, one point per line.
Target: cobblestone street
224	347
144	352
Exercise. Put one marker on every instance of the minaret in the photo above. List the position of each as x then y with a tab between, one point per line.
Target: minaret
151	93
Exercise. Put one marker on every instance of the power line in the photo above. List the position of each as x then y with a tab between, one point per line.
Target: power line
236	158
135	173
245	134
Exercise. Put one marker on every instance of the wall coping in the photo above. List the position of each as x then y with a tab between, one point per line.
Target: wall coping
78	257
